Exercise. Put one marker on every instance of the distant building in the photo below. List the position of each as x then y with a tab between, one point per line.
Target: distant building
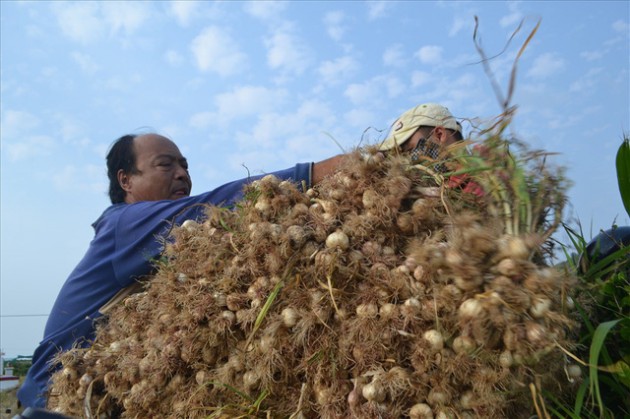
7	379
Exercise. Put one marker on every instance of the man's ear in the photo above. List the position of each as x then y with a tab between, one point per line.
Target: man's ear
124	180
441	134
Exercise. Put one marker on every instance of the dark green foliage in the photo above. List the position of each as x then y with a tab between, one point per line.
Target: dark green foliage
623	172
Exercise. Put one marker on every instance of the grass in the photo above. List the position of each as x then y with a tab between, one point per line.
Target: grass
603	303
9	403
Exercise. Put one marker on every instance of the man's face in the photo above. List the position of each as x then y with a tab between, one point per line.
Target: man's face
450	137
440	137
162	171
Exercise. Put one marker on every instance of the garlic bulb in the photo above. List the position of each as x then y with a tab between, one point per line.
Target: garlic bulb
374	392
290	317
540	307
421	411
338	240
470	308
435	339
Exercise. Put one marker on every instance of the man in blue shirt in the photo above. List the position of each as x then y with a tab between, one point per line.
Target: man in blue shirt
149	189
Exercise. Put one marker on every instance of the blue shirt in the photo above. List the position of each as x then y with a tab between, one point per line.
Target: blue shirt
123	249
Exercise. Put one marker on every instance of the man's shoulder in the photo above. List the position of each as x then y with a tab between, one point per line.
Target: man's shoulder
145	214
111	211
117	210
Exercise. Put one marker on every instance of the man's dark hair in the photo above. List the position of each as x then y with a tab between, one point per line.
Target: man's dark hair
120	156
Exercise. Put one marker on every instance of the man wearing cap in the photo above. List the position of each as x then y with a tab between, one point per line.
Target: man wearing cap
424	130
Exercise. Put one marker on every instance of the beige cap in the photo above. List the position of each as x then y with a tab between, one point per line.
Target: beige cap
425	115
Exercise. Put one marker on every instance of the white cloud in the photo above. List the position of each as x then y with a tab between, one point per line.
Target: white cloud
88	178
252	162
240	102
588	81
420	78
80	21
122	84
592	55
621	26
374	89
18	123
361	93
35	31
174	58
333	22
71	131
282	138
287	52
269	128
101	149
430	54
546	65
249	100
317	111
394	87
359	118
49	72
11	86
202	119
511	19
216	51
461	90
376	9
558	121
454	93
514	16
114	83
127	16
85	62
184	11
86	22
334	71
28	146
581	85
310	118
458	24
265	10
175	132
394	56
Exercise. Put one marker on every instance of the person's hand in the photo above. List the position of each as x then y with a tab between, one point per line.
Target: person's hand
373	158
466	184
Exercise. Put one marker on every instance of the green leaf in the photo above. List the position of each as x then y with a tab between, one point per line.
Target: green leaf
233	389
579	399
261	397
623	172
265	309
608	264
561	411
596	346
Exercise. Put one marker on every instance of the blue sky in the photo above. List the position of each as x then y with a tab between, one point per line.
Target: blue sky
263	85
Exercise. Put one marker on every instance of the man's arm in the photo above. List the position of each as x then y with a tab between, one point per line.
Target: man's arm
326	167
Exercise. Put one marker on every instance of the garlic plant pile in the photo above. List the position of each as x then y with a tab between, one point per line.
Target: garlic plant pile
364	297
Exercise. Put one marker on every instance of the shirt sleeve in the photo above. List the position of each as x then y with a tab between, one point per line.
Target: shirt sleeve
230	193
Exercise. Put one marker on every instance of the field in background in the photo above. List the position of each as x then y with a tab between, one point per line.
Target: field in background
8	403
